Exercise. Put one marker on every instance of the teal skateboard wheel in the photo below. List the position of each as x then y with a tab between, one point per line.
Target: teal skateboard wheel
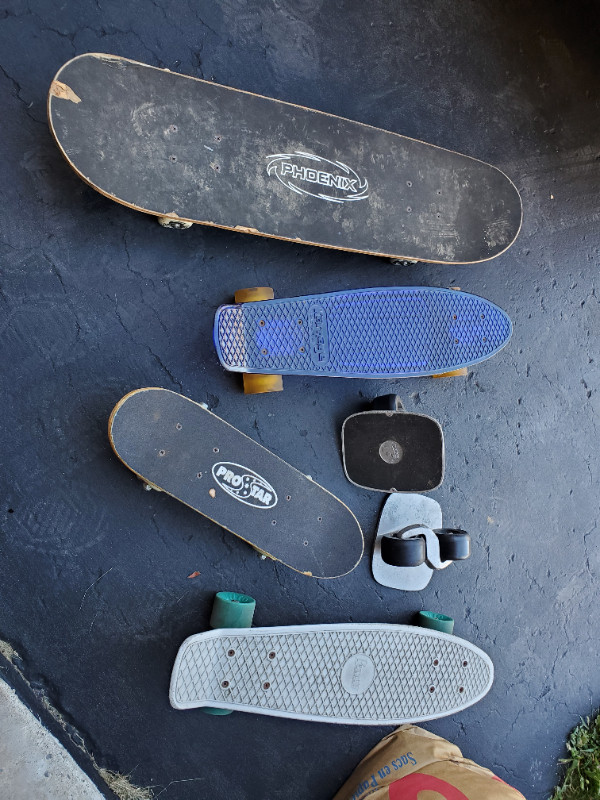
217	712
230	610
436	622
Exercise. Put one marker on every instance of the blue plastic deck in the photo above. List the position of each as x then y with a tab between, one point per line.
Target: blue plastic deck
366	333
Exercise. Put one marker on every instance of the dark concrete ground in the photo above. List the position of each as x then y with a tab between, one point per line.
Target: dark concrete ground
98	300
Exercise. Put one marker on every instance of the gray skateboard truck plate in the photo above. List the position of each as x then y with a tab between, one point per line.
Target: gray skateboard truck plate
415	522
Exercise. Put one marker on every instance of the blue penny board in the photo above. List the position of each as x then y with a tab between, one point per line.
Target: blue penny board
185	450
366	333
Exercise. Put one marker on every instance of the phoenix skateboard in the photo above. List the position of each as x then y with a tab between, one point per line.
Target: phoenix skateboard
180	447
192	151
355	674
388	449
390	332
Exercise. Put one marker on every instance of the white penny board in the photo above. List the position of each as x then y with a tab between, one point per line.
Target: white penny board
358	674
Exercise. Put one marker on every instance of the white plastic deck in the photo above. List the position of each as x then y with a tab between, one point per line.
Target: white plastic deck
362	674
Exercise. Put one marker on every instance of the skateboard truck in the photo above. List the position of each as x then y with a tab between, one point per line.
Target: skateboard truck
231	610
416	544
255	383
173	222
402	262
411	543
388	449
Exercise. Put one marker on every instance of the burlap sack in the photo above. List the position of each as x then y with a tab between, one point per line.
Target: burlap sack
412	762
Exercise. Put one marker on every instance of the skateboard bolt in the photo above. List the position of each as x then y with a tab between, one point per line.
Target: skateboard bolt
179	426
272	654
266	685
224	684
161	452
305	543
173	159
461	689
173	128
199	475
409	184
262	323
435	662
215	449
288	497
409	209
465	663
456	341
264	351
302	349
319	519
432	689
299	322
454	316
483	316
485	338
273	522
230	653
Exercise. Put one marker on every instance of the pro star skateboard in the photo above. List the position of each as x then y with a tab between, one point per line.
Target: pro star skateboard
355	674
188	150
390	332
391	450
181	448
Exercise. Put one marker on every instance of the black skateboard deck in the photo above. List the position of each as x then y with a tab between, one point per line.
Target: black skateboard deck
388	449
190	150
180	447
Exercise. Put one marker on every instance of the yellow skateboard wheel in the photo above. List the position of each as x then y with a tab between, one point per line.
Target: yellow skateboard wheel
455	373
254	294
255	383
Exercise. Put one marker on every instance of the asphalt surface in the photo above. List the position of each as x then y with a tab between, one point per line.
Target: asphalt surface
98	300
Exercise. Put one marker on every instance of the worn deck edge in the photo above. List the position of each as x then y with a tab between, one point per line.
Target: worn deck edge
241	228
